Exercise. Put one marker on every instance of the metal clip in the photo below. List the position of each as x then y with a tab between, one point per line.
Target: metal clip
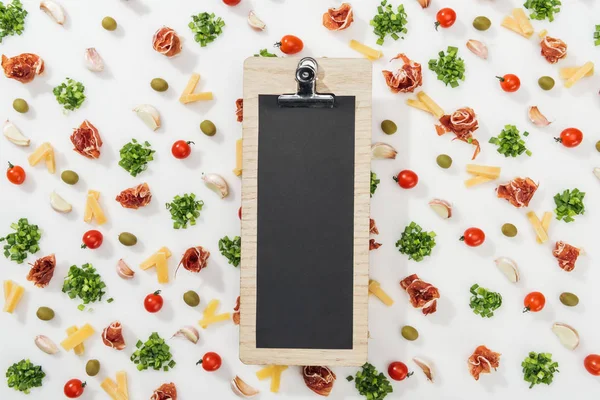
307	96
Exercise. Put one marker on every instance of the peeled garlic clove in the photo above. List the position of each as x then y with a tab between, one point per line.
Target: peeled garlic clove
93	61
242	389
54	10
124	271
45	344
441	208
59	204
380	151
537	117
14	135
567	335
509	268
188	332
478	48
597	172
217	184
424	3
427	369
149	115
255	22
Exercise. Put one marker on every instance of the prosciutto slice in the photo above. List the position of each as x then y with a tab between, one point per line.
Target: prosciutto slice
338	19
195	259
42	271
518	192
135	197
373	245
372	227
319	379
239	110
86	140
166	42
553	49
112	336
407	78
423	295
23	67
236	312
482	361
566	255
166	391
462	122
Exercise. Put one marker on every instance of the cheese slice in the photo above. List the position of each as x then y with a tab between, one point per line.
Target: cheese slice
265	372
80	348
8	287
273	372
153	259
162	268
14	297
191	85
97	212
50	161
88	214
376	290
543	33
431	105
111	388
511	24
477	180
419	105
483	170
122	384
567	72
546	219
193	97
537	227
211	308
77	337
213	319
523	21
580	73
39	154
366	51
238	157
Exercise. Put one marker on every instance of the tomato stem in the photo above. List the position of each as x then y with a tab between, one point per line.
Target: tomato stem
436	25
278	44
558	140
501	78
156	293
410	374
395	178
84	384
190	142
462	239
199	362
526	310
10	166
83	246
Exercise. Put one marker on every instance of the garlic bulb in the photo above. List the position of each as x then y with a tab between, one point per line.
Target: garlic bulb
217	184
93	61
382	150
45	344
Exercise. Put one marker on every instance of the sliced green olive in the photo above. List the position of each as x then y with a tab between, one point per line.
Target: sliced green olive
482	23
546	82
444	161
127	239
191	298
208	128
109	23
509	230
159	84
409	333
45	313
569	299
69	177
20	106
92	367
388	127
598	145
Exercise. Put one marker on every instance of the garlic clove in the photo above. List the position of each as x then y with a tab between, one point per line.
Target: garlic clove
45	344
54	10
567	335
217	184
424	3
255	22
14	135
380	151
149	116
509	268
242	389
59	204
93	61
596	172
188	332
124	271
537	117
441	208
424	365
478	48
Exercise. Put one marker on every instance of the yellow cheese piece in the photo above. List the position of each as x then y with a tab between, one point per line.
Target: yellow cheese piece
111	388
191	85
546	219
97	212
580	73
523	21
50	161
151	261
238	158
543	33
162	268
273	372
14	297
567	72
431	105
80	348
87	214
477	180
193	97
376	290
211	308
8	287
417	104
213	319
265	372
537	227
483	170
122	384
39	154
78	337
366	51
511	24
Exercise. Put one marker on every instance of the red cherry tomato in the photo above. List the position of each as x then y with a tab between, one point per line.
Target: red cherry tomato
153	302
232	2
407	179
592	364
210	361
534	302
473	237
15	174
290	44
570	137
74	388
509	82
181	149
92	239
445	18
398	371
240	212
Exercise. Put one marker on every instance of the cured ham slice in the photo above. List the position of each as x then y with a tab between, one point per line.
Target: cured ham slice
42	271
338	19
166	391
423	295
319	379
239	110
407	78
23	67
566	255
86	140
553	49
236	312
195	259
518	192
482	361
135	197
166	42
372	227
112	336
462	122
373	245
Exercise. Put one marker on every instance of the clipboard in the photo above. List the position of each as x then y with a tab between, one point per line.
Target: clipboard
305	219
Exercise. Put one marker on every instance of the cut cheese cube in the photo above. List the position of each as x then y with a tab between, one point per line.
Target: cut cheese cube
162	268
366	51
568	72
483	170
191	85
419	105
376	290
477	180
213	319
122	384
238	157
546	219
537	227
193	97
511	24
80	348
78	337
431	105
8	287
211	308
14	297
39	154
580	73
96	210
523	21
543	33
111	388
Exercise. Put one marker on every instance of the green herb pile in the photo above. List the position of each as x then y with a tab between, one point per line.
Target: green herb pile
70	94
388	22
231	249
370	383
597	36
154	353
449	67
12	19
374	183
484	302
23	376
135	157
542	9
84	283
206	27
415	242
509	142
569	204
265	53
24	240
184	209
538	368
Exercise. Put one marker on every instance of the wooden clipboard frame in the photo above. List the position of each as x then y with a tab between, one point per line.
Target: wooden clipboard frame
343	77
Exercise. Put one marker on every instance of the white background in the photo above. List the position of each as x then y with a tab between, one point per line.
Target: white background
448	337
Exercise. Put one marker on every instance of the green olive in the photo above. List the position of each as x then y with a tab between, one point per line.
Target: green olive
208	128
409	333
509	230
569	299
69	177
598	145
444	161
109	23
191	298
159	84
127	239
482	23
546	82
20	106
388	127
92	367
45	313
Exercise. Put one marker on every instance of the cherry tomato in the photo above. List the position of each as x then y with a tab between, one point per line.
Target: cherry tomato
153	302
232	2
407	179
15	174
398	371
570	137
534	302
509	82
181	149
74	388
92	239
445	18
210	361
473	237
290	44
240	213
592	364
